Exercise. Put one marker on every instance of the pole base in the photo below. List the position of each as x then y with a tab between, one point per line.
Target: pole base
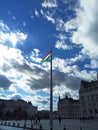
51	129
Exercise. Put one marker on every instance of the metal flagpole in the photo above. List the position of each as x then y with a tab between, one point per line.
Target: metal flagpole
51	95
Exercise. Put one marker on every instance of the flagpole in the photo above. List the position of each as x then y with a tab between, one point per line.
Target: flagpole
51	95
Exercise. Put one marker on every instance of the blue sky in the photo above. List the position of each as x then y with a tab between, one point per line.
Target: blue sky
28	29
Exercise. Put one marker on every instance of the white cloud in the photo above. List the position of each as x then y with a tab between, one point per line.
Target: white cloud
61	45
2	96
36	13
35	56
60	25
67	1
48	15
15	96
24	23
49	4
93	64
7	56
3	26
13	37
71	25
87	23
12	88
40	101
75	59
49	18
61	42
15	67
31	14
60	90
14	17
61	36
12	53
69	66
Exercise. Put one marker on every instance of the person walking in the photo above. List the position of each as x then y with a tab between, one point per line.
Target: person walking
59	120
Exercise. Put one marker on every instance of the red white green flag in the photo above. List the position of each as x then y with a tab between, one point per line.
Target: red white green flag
46	58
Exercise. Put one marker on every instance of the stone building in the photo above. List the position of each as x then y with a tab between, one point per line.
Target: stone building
12	105
75	109
87	105
68	108
89	99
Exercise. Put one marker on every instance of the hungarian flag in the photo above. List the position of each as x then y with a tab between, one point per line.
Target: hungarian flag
46	58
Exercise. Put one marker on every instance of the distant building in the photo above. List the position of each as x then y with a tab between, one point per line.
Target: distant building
43	114
87	105
12	105
89	99
75	109
68	108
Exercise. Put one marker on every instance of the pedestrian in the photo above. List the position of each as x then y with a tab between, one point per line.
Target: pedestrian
80	128
59	120
64	128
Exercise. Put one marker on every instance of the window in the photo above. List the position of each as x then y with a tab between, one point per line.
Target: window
90	110
82	98
88	98
96	96
92	97
95	110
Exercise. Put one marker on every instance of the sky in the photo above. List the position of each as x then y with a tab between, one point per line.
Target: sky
28	29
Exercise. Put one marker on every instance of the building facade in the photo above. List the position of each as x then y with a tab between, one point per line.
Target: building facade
15	105
87	105
68	108
89	99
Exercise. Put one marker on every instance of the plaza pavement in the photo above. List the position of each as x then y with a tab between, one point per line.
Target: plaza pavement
69	124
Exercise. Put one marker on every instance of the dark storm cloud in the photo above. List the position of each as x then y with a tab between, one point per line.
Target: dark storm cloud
26	68
73	82
59	78
6	67
38	70
3	96
20	67
14	64
43	80
4	82
41	83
